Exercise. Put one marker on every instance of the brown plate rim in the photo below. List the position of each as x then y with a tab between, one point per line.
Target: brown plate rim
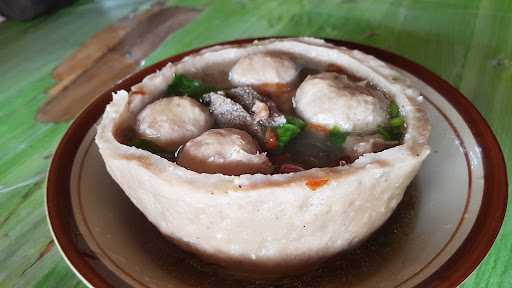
459	266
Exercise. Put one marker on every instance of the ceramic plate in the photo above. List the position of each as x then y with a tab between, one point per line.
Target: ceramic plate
446	223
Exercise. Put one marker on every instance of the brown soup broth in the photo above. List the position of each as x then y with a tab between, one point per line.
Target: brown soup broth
311	148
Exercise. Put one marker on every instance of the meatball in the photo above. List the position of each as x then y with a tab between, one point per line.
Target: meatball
228	151
171	122
263	68
331	99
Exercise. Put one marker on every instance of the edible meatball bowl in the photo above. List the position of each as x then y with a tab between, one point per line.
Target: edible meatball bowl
266	223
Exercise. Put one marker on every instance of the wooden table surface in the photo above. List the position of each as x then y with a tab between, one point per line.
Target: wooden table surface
467	42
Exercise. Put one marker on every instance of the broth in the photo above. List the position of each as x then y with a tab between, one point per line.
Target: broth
312	147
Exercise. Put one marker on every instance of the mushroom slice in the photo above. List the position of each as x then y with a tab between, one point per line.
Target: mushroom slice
243	108
256	103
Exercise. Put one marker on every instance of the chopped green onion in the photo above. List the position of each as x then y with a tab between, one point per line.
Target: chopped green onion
337	137
390	133
289	130
393	110
285	133
295	121
152	148
145	145
393	130
396	121
183	85
384	133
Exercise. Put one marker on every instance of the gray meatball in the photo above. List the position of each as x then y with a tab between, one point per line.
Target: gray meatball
227	151
263	68
171	122
330	99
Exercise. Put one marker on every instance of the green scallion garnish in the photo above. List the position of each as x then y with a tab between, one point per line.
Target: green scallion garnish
393	110
182	85
396	121
289	130
393	130
337	137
